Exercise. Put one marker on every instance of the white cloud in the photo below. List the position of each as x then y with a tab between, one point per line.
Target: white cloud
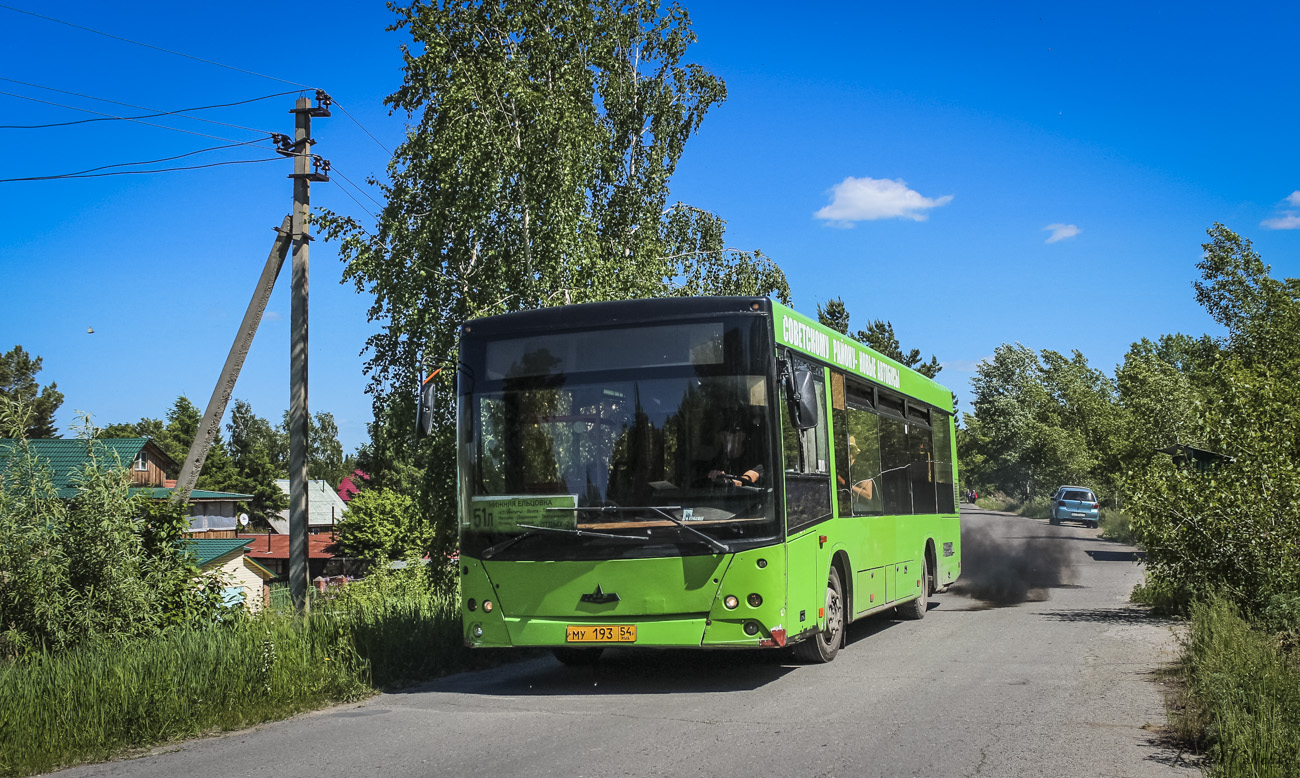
273	316
1289	220
869	199
1293	198
1061	231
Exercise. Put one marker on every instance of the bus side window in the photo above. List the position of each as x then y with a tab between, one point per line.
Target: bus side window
944	481
895	486
807	455
920	469
864	458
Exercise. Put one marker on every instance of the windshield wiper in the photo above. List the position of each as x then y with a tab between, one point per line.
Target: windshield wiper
533	529
662	511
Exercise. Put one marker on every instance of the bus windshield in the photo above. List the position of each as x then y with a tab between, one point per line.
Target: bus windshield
615	443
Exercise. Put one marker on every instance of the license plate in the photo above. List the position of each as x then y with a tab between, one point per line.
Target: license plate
1077	515
606	633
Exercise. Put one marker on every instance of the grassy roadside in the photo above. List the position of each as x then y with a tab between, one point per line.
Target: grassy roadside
1238	696
94	702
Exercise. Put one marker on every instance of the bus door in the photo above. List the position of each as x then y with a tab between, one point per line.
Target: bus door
806	454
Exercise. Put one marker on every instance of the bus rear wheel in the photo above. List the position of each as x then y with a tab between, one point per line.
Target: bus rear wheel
823	646
578	657
916	608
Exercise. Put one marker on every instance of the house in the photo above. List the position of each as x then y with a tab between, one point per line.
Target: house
272	552
67	457
147	464
324	508
247	581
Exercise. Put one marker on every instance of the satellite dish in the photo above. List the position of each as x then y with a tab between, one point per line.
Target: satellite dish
243	519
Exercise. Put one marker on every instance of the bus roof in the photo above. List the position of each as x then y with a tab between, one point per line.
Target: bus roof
807	336
792	329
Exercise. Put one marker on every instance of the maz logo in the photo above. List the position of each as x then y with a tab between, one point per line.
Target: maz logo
598	597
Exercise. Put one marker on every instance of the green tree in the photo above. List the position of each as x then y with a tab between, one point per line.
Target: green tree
325	460
834	315
145	428
179	431
18	386
255	448
249	432
381	525
536	174
880	336
1234	527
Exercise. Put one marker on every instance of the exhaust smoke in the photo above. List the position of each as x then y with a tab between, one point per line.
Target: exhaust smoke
1006	571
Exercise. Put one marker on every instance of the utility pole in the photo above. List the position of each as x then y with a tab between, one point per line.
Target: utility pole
211	424
304	172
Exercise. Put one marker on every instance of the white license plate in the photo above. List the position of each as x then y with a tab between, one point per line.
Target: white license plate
1077	515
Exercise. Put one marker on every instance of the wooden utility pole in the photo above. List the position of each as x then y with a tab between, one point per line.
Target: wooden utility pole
303	174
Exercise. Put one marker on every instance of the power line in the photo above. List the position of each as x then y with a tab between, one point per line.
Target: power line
141	107
334	169
139	172
355	200
156	48
127	118
153	161
362	126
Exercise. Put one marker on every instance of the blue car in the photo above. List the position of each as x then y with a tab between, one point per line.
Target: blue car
1075	503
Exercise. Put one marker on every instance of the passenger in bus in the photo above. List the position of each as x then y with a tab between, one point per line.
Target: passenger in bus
863	489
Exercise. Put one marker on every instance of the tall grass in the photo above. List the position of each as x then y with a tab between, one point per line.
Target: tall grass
91	702
1115	526
1245	690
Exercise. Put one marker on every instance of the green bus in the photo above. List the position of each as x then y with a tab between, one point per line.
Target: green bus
716	472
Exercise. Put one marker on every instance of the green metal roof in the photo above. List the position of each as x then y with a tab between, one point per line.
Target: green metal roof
211	549
67	457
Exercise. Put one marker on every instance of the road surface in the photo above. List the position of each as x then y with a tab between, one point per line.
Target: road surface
1059	685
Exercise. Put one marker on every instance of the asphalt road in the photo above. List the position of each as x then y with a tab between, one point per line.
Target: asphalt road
1060	683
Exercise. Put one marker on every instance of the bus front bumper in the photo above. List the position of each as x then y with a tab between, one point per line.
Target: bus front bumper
688	631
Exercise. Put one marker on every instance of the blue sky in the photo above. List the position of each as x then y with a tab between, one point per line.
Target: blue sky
982	174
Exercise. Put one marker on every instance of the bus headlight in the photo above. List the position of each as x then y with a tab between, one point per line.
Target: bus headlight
751	628
476	630
730	602
755	600
471	603
487	606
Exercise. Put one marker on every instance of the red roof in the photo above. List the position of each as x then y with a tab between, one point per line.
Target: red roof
272	546
348	488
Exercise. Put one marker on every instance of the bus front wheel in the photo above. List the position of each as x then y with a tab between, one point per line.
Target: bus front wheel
823	646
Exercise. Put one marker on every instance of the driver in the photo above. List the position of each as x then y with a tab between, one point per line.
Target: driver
732	465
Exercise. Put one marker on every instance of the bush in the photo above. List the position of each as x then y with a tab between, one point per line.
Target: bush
1035	508
1246	689
996	502
381	524
1115	525
94	701
104	567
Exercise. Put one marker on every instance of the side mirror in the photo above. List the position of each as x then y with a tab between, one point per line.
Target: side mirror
803	399
428	401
